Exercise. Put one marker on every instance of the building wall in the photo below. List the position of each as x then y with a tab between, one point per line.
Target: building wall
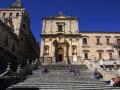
15	26
9	48
103	48
12	17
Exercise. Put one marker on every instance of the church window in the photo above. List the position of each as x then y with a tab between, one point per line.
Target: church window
60	28
84	41
86	55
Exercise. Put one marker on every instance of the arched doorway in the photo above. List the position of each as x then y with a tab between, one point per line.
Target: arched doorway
60	55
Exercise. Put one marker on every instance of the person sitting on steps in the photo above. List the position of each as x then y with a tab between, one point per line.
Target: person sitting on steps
45	71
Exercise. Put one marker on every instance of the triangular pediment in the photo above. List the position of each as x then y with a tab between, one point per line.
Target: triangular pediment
60	15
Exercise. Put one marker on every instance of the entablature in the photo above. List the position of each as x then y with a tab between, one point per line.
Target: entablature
61	34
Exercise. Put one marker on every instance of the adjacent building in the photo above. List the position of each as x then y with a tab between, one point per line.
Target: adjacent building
17	42
62	42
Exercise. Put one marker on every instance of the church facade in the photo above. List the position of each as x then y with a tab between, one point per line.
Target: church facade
61	42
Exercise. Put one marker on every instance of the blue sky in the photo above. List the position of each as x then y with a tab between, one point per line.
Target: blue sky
94	15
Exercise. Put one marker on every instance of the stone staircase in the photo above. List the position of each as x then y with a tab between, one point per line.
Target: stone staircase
59	78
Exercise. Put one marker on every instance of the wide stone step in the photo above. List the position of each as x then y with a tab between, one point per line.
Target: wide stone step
64	67
59	78
67	87
108	87
62	82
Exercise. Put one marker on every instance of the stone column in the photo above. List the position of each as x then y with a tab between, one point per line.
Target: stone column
54	52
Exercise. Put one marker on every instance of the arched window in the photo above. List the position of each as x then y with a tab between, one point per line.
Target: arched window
84	41
17	14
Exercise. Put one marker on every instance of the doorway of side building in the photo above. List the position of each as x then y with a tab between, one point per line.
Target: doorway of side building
60	55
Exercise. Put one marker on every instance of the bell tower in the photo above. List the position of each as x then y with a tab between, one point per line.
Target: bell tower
14	16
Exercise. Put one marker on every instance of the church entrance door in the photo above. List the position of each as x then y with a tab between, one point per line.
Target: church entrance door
60	55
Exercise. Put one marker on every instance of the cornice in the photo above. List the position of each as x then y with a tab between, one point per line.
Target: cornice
11	9
57	35
53	18
100	32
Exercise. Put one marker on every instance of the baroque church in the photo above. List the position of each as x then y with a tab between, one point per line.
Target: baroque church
62	42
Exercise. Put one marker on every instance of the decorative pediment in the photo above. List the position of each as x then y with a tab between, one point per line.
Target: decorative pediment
85	50
110	50
60	16
117	36
100	50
